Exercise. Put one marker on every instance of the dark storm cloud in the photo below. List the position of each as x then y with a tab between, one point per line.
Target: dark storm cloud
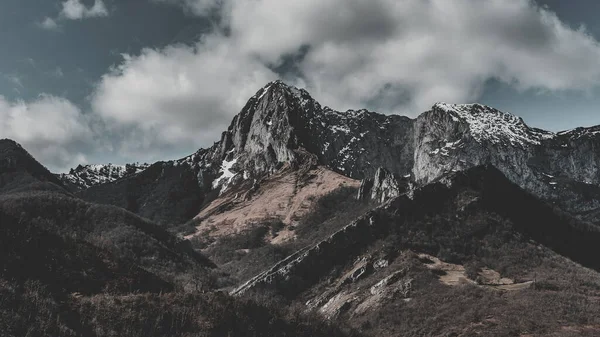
357	21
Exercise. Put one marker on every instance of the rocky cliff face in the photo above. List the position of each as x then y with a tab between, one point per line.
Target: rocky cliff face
574	153
283	124
551	166
280	120
384	186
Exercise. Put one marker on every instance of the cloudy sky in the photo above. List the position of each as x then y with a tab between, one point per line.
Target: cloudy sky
97	81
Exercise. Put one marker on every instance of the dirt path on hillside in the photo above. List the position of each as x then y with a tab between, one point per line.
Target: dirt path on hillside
455	274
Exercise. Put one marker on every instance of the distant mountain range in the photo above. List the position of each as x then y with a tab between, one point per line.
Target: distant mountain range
84	176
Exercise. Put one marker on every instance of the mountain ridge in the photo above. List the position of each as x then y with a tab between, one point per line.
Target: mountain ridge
283	124
84	176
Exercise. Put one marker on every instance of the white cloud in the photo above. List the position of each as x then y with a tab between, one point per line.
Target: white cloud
51	128
402	56
392	56
57	72
15	80
49	24
179	95
75	10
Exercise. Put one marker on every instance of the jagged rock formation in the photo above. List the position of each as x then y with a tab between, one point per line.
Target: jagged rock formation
282	124
384	186
278	125
85	176
330	252
552	166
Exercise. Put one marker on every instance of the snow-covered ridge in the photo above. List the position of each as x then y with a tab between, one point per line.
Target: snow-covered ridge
580	132
489	124
85	176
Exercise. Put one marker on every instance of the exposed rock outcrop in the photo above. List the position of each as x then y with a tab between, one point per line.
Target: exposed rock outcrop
336	249
451	138
384	186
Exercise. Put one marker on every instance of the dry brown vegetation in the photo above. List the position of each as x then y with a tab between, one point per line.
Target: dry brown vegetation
251	251
88	270
32	310
286	196
475	226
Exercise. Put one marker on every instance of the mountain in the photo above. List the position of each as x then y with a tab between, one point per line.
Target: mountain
548	165
471	254
304	221
282	125
479	189
39	204
166	192
20	171
85	176
282	198
73	268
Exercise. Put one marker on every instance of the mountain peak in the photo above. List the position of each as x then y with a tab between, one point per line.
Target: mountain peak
279	88
7	145
580	132
14	159
489	124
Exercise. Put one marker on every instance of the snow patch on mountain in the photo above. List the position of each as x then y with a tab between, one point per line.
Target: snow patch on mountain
226	174
85	176
577	133
489	124
447	148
